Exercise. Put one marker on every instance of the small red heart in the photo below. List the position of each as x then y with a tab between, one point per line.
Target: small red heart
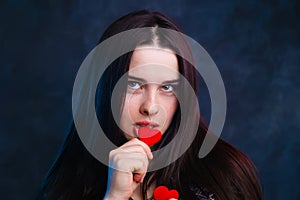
149	136
163	193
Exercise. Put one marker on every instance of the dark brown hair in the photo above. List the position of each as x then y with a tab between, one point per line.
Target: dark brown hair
225	172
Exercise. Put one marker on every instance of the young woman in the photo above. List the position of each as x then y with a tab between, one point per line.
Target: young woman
150	99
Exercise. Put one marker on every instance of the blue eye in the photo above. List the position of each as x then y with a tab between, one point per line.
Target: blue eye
134	85
167	88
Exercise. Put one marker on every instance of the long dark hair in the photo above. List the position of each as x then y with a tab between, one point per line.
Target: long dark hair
225	171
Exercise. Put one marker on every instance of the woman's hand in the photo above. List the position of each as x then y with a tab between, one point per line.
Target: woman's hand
128	165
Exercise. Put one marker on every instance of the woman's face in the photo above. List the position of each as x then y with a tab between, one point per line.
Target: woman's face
150	98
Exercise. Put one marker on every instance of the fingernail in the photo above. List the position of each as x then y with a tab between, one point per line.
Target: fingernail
150	155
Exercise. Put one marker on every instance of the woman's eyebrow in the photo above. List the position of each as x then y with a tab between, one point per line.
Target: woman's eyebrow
171	81
174	81
136	78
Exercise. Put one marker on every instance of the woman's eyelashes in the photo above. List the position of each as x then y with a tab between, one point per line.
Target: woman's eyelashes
133	85
166	88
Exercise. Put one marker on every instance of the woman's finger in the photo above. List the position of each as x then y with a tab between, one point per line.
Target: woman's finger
135	162
137	142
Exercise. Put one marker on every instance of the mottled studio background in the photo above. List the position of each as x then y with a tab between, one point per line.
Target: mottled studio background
255	44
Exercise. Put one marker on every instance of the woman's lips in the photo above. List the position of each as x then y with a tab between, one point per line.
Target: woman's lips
140	124
146	123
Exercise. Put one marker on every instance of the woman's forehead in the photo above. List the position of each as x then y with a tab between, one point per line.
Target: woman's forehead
146	55
154	65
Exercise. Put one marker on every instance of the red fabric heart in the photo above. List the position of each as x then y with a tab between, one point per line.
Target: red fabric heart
149	136
163	193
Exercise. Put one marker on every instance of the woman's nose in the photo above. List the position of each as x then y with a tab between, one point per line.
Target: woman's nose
149	105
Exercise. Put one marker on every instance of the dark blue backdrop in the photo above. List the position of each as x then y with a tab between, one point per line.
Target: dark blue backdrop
255	44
